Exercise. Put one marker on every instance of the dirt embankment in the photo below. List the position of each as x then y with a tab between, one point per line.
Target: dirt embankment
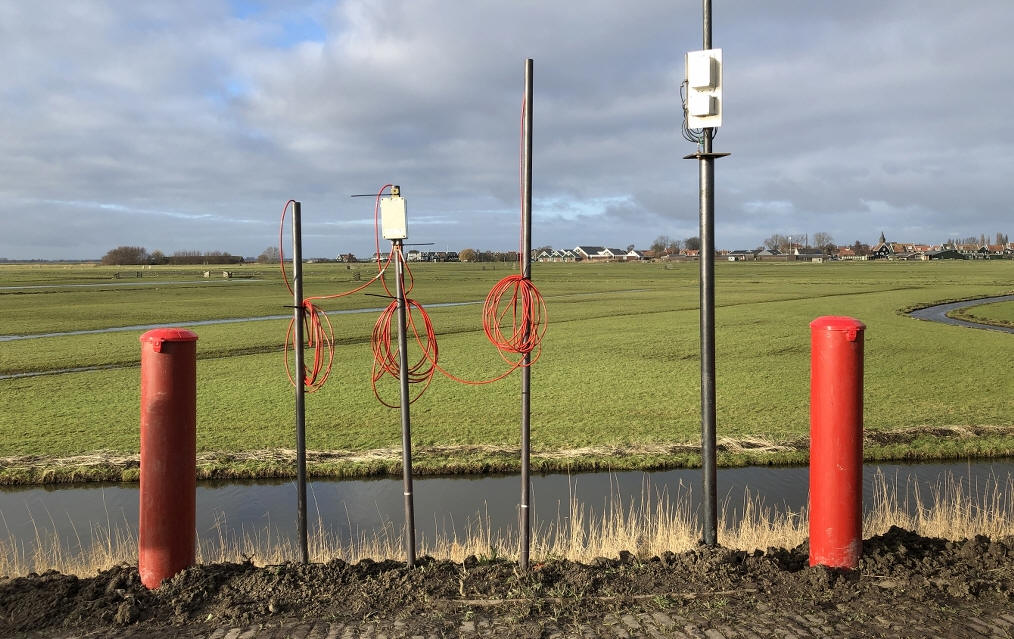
904	578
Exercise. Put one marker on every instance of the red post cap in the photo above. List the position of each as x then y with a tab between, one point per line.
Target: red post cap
838	323
156	337
848	325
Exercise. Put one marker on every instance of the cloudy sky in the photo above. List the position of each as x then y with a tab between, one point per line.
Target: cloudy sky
187	125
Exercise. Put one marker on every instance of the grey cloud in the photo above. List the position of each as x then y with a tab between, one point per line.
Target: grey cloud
849	118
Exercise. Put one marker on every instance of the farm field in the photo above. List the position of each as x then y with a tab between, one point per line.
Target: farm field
617	386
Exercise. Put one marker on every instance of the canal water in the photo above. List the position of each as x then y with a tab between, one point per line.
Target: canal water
939	313
352	509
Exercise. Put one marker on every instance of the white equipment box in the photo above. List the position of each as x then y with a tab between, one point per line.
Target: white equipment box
704	88
394	217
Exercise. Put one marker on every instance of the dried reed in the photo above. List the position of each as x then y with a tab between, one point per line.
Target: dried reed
650	525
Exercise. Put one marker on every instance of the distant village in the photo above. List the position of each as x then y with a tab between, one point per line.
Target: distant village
777	248
781	249
792	253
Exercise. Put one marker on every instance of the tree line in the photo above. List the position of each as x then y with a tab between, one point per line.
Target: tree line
1001	238
665	245
138	255
822	242
473	255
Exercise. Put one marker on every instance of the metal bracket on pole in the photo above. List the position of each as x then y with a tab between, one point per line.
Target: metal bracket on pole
705	156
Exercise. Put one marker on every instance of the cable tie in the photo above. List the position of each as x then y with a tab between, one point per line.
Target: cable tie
407	494
524	505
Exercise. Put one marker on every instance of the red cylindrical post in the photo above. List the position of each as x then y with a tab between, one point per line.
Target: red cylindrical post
168	454
836	441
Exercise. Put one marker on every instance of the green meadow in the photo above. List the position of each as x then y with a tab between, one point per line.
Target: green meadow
617	385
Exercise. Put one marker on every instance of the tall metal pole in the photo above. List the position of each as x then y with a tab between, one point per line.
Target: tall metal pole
406	426
708	429
297	294
526	272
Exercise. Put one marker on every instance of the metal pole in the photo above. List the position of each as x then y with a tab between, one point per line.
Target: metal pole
406	426
526	272
706	11
706	162
297	295
708	429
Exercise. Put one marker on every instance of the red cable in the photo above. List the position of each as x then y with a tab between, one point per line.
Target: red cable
317	328
281	252
528	318
529	325
386	355
524	303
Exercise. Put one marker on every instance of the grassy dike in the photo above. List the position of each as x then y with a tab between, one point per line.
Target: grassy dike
617	387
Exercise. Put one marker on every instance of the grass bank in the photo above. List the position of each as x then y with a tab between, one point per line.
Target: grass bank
995	314
617	387
913	444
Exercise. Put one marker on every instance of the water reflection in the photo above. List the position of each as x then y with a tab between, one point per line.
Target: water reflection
446	505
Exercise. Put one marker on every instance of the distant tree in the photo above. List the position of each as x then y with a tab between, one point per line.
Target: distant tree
661	245
692	243
126	255
271	255
860	248
541	249
824	242
776	241
197	257
469	255
630	247
1001	239
157	257
185	257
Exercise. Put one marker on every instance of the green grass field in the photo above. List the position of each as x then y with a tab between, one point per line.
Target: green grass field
618	384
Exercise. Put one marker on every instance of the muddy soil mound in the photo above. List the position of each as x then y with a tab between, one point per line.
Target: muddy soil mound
899	569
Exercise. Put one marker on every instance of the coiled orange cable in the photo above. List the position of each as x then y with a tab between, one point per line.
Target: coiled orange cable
386	355
515	296
317	328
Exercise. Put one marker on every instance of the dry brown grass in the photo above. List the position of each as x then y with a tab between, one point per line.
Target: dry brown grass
648	526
